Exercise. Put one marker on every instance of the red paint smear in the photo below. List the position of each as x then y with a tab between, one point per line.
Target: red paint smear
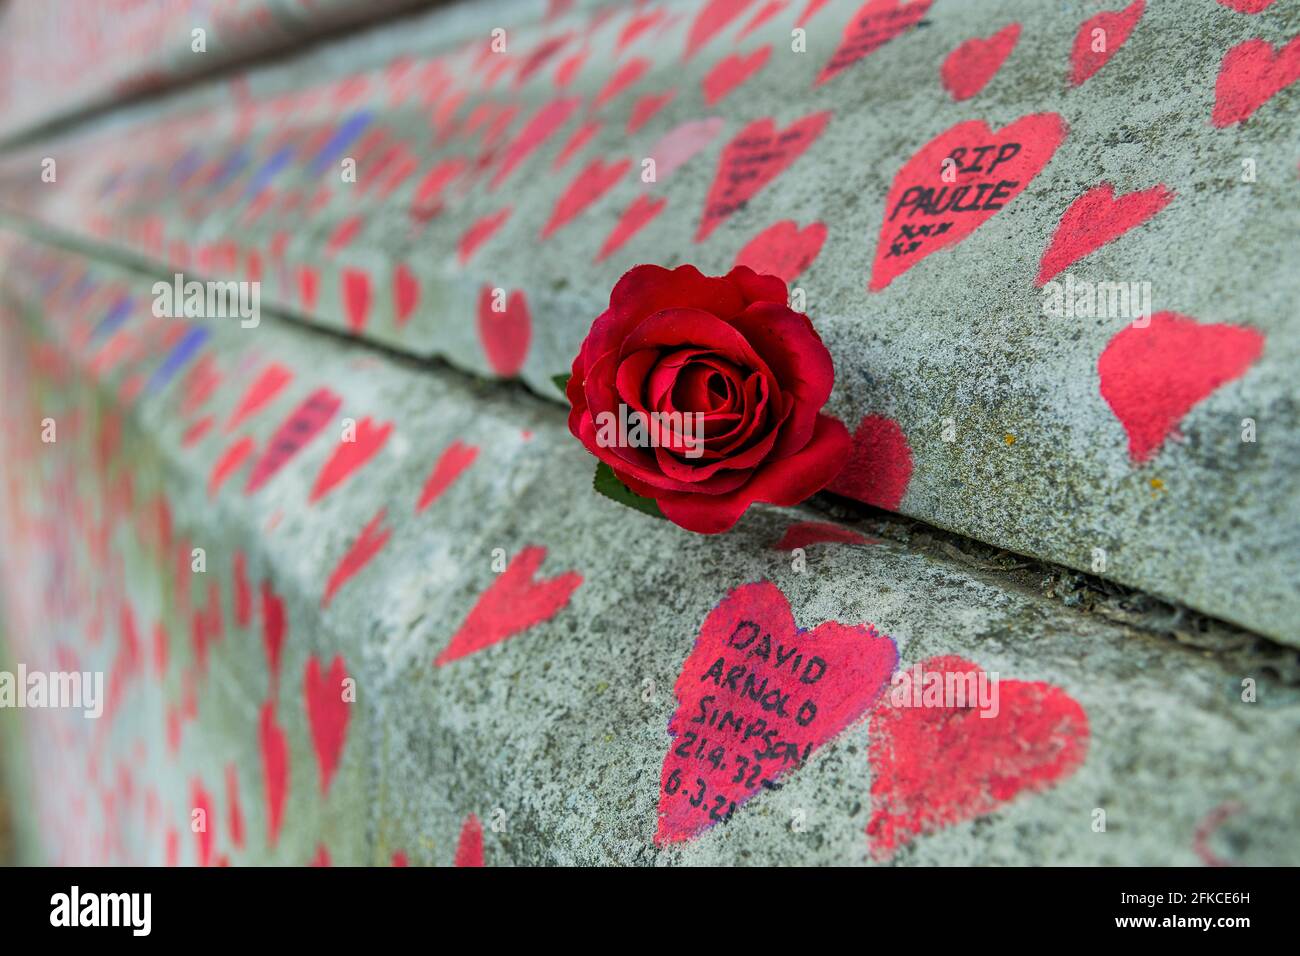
645	109
810	11
874	25
783	249
730	72
804	534
302	425
469	851
201	801
505	335
229	462
578	140
406	293
479	233
1093	220
369	543
455	459
327	715
968	69
756	156
880	465
633	220
546	121
1038	135
1117	25
626	75
858	661
322	857
1039	737
764	14
710	21
595	179
636	26
243	592
268	385
541	54
160	651
273	628
514	602
399	859
236	811
172	853
569	68
428	195
356	298
1252	73
349	456
1151	377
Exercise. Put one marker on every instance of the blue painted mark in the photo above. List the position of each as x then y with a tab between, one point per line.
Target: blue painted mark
118	313
234	165
181	353
341	140
262	178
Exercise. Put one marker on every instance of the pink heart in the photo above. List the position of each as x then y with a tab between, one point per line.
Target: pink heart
1093	220
879	468
756	697
327	715
731	71
1252	73
968	69
783	249
505	335
1151	377
874	25
957	182
1115	27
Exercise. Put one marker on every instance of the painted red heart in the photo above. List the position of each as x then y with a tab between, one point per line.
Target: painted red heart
428	200
202	820
368	543
1152	376
633	220
731	71
623	77
243	591
308	286
275	770
234	810
406	293
1251	74
783	249
879	468
302	425
581	136
595	179
874	25
1247	6
469	850
480	232
229	462
506	334
455	459
265	388
755	698
515	602
645	109
758	154
327	714
1038	737
1093	220
1100	37
713	17
544	123
356	298
968	69
349	456
953	199
273	628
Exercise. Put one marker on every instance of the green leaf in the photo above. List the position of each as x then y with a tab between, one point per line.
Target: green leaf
607	483
562	382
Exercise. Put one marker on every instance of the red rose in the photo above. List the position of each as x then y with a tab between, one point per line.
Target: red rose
735	381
